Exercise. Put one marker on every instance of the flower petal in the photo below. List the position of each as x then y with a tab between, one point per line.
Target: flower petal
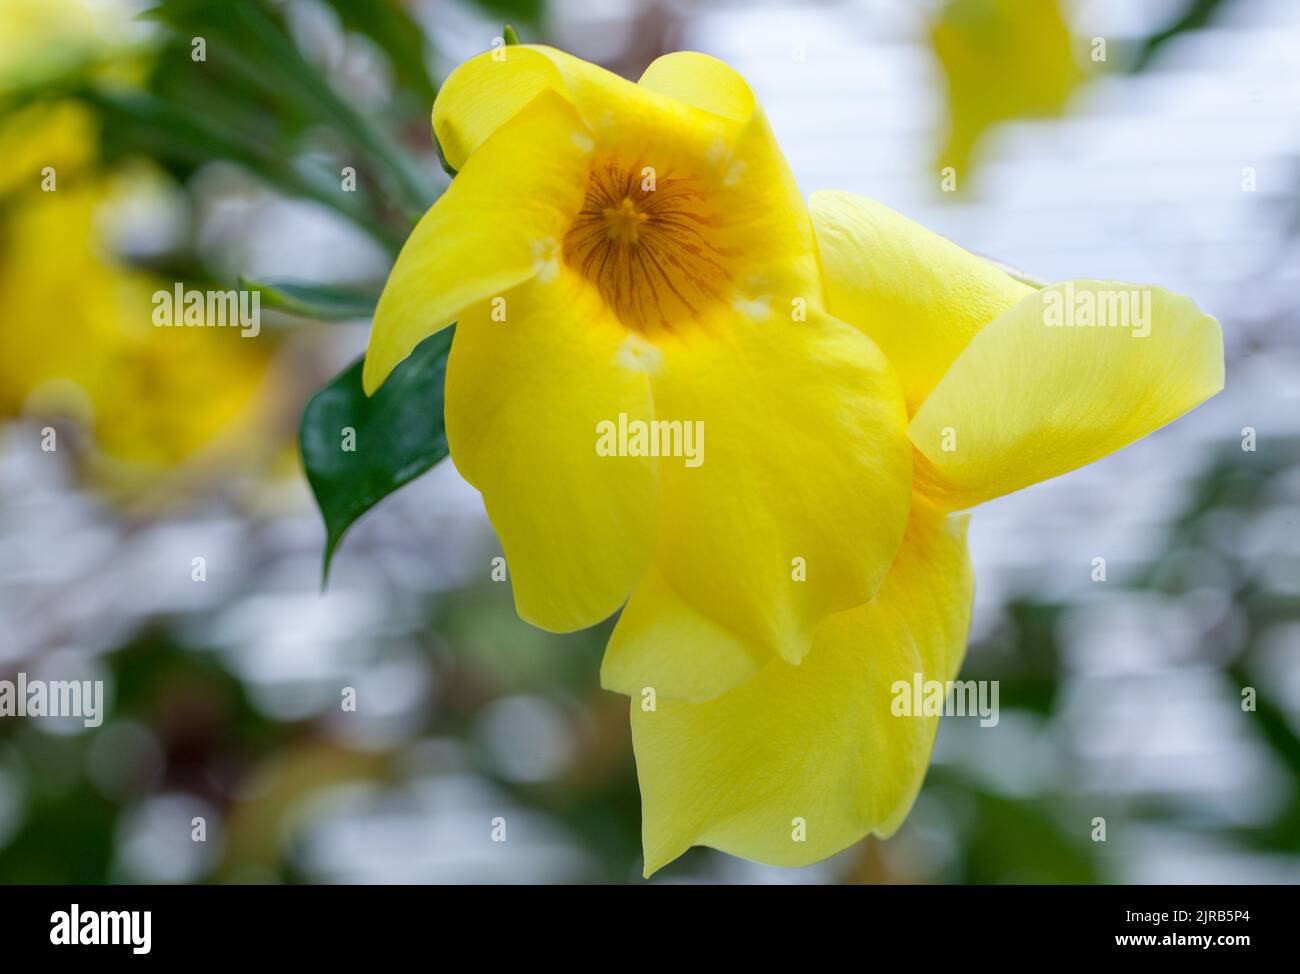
919	296
499	223
818	742
703	81
1027	401
795	510
690	117
523	400
486	91
664	643
769	229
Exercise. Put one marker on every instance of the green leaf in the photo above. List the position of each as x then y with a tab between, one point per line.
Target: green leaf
399	434
515	11
389	25
1196	15
249	39
320	301
142	123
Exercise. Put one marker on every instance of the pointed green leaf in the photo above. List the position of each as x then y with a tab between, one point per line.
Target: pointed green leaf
396	435
320	301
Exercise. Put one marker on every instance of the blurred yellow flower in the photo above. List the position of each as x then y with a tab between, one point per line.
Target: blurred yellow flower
1001	59
76	333
42	40
59	136
618	253
76	336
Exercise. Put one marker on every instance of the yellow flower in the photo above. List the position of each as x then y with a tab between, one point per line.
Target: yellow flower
779	589
800	762
42	40
1001	59
154	400
620	253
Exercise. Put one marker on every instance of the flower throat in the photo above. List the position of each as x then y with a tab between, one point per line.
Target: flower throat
649	247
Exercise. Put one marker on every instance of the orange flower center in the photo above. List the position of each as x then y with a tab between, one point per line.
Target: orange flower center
650	248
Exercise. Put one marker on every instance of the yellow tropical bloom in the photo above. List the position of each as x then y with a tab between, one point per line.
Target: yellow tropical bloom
153	400
620	253
777	590
1001	59
802	761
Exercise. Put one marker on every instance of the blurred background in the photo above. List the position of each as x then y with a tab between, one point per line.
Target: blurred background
1155	142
